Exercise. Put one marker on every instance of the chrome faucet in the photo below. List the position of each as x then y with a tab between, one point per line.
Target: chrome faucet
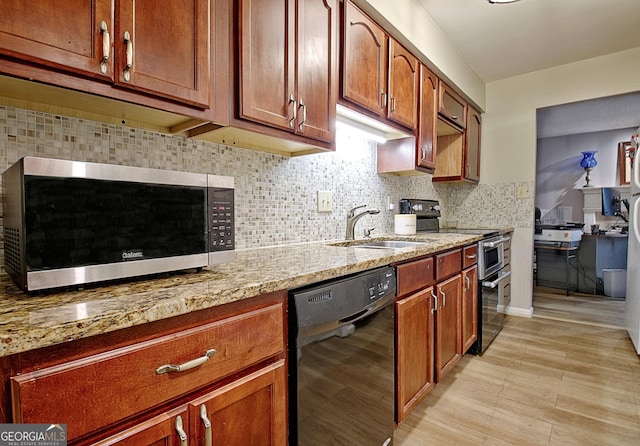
352	218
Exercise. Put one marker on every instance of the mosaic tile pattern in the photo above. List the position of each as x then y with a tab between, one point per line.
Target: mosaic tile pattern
275	195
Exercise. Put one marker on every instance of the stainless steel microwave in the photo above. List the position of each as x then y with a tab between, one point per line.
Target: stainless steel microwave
69	223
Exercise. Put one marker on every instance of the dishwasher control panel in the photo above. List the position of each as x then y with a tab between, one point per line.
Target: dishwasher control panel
344	299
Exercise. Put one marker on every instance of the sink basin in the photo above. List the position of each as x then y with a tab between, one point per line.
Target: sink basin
389	244
379	244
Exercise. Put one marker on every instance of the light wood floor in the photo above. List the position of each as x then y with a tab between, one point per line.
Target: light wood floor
541	382
606	311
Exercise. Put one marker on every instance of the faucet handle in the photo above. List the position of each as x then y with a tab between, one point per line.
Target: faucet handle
367	232
352	212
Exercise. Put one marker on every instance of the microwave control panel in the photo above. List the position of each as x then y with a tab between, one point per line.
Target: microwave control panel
221	219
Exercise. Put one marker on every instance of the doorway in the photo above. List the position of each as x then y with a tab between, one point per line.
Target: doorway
563	133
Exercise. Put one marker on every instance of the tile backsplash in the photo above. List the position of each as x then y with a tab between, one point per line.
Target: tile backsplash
275	195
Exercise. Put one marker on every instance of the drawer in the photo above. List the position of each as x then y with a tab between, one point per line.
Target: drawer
448	264
469	255
415	275
99	390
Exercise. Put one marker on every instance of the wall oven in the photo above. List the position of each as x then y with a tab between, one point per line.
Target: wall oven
493	279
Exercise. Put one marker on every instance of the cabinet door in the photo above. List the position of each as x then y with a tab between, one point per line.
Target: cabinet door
448	330
403	85
166	429
249	411
317	61
267	62
364	65
64	35
452	106
469	307
162	47
472	146
427	119
414	350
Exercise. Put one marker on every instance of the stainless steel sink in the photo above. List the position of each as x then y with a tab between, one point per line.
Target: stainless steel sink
379	244
389	244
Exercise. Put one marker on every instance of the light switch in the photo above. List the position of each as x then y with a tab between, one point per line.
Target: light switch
325	201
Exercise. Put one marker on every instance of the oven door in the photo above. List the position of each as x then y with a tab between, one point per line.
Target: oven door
490	319
491	257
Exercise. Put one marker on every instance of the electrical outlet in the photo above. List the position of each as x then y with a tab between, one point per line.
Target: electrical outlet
325	201
522	192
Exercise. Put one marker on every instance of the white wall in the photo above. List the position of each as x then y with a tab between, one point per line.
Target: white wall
559	177
509	133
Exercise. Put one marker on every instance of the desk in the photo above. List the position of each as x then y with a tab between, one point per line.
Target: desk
599	252
549	270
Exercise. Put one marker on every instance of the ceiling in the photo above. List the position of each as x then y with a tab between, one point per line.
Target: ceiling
501	41
504	40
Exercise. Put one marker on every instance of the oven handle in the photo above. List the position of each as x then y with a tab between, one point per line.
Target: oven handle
496	282
496	243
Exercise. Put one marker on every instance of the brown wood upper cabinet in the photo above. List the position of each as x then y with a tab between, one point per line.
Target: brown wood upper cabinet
71	36
426	141
160	47
379	76
288	65
452	106
416	153
458	152
472	145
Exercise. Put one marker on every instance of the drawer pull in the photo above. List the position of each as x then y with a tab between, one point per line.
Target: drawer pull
472	256
180	430
208	439
167	368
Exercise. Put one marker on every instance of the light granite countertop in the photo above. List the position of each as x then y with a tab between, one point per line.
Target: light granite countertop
38	320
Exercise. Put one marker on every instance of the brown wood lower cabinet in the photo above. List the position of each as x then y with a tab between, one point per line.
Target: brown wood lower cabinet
448	325
415	378
469	307
251	410
436	321
151	387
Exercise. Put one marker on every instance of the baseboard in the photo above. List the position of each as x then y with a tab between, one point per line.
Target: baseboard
520	312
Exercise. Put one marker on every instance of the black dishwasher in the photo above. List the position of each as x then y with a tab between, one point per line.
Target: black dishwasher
341	361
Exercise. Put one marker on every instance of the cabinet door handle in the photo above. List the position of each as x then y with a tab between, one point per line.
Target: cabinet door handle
208	441
468	282
454	117
444	299
180	430
167	368
393	103
129	52
435	306
295	110
383	98
304	115
106	46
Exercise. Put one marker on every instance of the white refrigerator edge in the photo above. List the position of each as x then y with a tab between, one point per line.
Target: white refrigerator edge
632	300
